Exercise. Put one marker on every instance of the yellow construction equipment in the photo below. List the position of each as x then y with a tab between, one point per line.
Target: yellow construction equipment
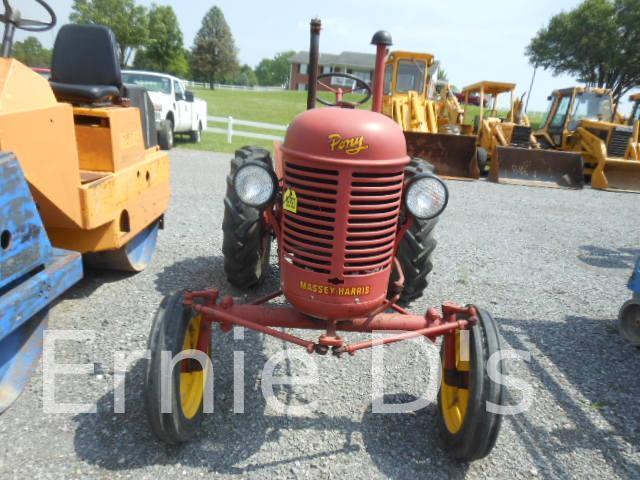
507	146
633	153
581	120
409	99
87	146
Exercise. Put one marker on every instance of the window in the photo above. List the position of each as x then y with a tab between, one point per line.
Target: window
557	122
179	89
303	68
591	106
153	83
545	119
302	87
388	78
635	115
410	76
326	69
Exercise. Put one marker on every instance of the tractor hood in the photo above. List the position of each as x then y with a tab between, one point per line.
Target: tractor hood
347	135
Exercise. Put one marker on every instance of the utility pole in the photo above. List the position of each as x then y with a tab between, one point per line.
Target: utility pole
533	79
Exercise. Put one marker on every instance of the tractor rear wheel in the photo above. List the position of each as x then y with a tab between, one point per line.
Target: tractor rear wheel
246	243
416	248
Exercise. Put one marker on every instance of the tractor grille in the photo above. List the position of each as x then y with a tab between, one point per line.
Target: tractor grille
619	141
347	236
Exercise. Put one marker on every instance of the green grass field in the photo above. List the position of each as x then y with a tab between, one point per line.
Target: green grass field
279	108
270	107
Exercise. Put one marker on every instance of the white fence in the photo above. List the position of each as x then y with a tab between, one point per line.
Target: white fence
220	86
232	122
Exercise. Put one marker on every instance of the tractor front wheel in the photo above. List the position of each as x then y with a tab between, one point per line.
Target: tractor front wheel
467	428
176	329
416	248
246	242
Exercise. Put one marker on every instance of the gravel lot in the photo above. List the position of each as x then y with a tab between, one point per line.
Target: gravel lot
550	264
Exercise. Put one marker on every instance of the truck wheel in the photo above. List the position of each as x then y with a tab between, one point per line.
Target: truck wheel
165	135
468	431
196	135
416	248
246	243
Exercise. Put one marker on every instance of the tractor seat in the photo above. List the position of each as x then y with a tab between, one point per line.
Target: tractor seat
85	68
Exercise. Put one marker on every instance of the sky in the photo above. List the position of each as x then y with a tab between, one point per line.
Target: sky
472	40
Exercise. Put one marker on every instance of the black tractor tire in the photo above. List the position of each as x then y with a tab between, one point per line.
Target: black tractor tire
246	243
416	248
166	135
167	334
480	428
196	135
482	157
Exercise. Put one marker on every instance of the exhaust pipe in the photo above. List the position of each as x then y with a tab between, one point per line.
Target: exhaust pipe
382	40
314	59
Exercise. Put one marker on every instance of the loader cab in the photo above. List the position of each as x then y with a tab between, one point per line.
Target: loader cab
407	74
569	107
488	94
635	111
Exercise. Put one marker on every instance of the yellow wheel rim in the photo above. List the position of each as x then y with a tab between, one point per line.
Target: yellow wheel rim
454	401
192	384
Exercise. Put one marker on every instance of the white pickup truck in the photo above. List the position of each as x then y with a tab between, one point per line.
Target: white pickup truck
177	110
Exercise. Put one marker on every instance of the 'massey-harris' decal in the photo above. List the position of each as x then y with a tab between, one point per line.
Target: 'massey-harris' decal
335	291
350	146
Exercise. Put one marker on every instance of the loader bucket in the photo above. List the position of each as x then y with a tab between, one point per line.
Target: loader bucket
537	168
617	174
453	156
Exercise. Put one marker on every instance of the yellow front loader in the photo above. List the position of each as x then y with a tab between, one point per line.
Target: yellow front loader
410	99
507	146
581	120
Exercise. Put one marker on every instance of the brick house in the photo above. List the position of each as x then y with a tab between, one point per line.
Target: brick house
359	64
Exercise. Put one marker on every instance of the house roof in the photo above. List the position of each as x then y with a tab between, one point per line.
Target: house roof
350	59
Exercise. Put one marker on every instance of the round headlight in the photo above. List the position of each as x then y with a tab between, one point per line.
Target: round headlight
427	197
255	184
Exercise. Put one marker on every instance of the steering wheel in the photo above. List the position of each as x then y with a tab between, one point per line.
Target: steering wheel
10	16
339	92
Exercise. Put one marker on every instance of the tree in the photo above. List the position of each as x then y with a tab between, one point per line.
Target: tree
163	50
274	71
246	77
598	42
214	55
127	20
32	53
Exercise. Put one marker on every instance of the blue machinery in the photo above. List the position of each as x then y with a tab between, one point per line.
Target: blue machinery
32	275
629	318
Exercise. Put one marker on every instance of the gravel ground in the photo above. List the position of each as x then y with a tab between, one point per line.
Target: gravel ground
550	264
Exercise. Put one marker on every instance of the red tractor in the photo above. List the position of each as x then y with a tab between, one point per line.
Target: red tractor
353	216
